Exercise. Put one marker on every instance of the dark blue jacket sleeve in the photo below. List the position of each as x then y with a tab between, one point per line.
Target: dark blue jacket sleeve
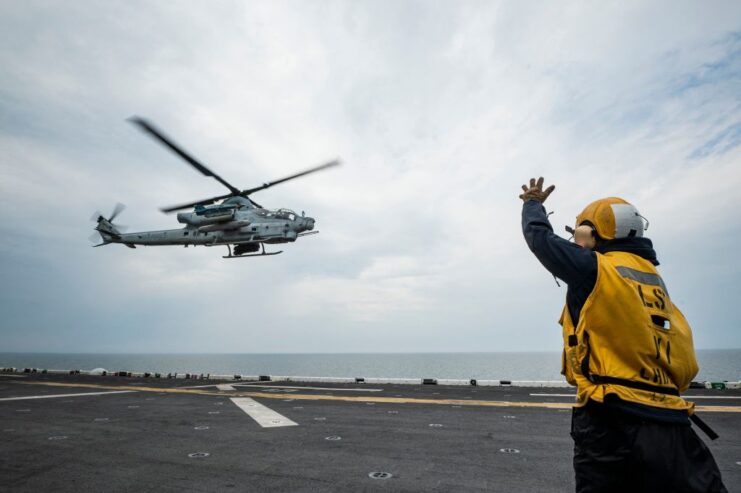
565	260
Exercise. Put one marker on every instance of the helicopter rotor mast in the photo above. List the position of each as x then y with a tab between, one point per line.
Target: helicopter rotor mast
167	142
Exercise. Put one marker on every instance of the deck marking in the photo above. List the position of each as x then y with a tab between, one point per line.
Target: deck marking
64	395
233	385
333	389
319	397
265	417
683	397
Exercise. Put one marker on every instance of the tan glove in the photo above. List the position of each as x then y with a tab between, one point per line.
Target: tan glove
536	192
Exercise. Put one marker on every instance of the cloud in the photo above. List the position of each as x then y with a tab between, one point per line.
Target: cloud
439	112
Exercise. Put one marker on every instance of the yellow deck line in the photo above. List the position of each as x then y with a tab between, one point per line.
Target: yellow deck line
311	397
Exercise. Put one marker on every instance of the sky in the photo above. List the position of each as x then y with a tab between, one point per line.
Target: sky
440	111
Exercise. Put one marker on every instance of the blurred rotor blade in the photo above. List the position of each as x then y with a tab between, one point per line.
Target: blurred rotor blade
174	208
116	211
157	134
95	237
96	215
269	184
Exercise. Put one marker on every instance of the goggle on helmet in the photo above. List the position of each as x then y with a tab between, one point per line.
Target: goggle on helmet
613	218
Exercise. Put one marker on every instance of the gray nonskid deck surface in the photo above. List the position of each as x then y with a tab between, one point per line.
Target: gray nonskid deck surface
141	441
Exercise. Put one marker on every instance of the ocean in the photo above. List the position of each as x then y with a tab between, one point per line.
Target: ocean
715	364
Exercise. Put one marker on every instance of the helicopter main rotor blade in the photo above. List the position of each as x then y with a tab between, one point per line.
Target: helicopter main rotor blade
157	134
246	193
269	184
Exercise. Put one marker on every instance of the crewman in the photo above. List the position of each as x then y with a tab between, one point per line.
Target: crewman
627	349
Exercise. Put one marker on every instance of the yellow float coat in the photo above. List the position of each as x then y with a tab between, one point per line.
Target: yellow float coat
631	340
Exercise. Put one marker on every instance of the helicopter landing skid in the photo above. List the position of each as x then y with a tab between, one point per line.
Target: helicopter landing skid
263	254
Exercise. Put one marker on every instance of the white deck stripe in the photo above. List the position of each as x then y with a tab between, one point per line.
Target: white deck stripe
225	386
683	397
265	417
333	389
65	395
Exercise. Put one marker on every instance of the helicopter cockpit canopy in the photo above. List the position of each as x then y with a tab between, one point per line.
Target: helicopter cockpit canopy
286	214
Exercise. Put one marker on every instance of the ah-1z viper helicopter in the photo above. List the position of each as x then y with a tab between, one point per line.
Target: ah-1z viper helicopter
237	220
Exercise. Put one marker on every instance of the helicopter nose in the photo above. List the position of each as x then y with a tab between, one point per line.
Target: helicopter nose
309	223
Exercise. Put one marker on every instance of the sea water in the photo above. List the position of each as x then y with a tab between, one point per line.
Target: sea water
715	364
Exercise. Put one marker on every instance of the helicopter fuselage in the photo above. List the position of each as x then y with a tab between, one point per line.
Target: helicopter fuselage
225	225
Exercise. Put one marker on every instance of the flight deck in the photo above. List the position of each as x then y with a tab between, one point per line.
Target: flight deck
120	433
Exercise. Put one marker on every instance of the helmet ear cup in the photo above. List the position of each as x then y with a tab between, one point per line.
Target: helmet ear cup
585	236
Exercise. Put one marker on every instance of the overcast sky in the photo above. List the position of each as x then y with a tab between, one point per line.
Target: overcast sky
439	110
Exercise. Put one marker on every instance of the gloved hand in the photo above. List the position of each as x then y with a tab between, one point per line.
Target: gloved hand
536	192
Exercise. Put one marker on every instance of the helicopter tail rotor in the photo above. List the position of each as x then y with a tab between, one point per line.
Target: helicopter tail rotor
105	229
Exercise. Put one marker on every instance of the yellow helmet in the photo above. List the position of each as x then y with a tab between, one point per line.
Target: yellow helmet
612	218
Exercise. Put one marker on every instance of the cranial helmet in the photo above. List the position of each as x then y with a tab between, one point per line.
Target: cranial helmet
612	218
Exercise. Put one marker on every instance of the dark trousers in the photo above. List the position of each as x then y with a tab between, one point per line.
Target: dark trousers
617	452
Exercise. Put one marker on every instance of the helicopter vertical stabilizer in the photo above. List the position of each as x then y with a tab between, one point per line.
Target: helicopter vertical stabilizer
109	232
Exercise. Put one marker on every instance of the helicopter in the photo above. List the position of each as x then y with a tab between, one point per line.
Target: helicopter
232	220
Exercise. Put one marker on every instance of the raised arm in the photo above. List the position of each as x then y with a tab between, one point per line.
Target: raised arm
565	260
